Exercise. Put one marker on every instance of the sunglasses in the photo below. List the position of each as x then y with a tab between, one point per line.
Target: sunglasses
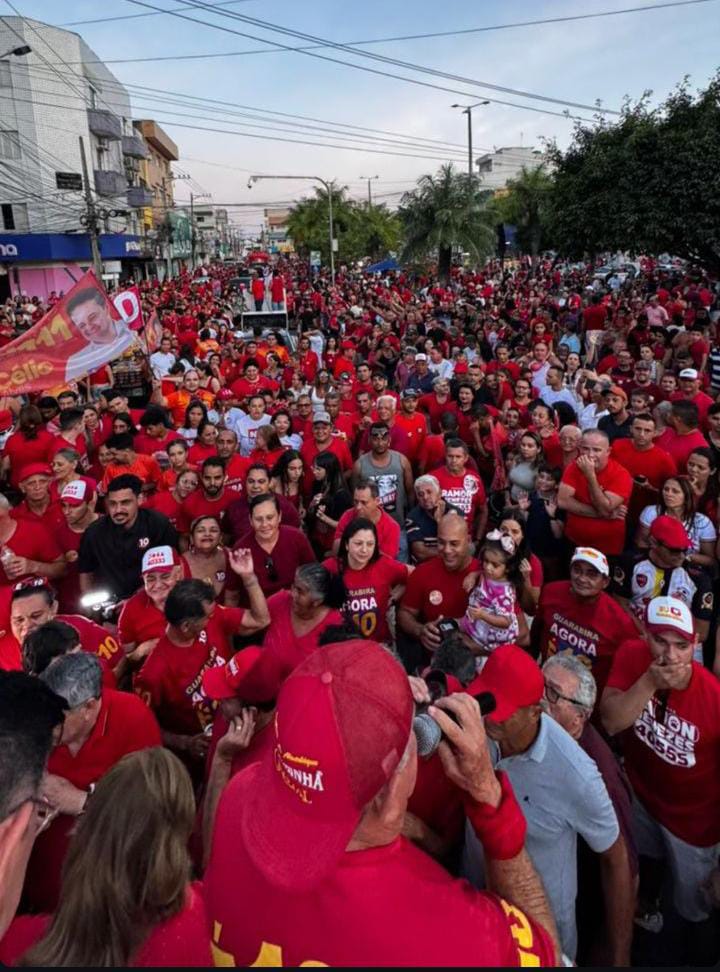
379	435
271	569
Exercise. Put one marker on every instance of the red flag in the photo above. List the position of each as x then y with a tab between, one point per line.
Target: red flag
129	307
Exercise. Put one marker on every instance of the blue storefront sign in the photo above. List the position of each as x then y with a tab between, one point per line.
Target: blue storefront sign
65	247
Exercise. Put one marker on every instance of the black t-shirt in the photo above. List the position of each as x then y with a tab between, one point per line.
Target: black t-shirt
421	525
113	554
613	429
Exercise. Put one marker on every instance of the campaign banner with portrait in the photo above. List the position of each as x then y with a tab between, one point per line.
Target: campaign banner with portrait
78	335
129	304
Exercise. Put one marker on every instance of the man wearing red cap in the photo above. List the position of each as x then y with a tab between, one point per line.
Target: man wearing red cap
561	793
594	492
323	814
37	507
578	617
637	580
668	708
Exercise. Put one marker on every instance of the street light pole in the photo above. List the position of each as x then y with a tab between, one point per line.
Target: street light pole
328	186
17	52
467	110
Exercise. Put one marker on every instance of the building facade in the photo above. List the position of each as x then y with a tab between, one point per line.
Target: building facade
46	112
496	169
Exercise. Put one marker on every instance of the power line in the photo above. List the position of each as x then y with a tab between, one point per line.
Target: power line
382	58
363	67
104	20
383	40
205	102
272	138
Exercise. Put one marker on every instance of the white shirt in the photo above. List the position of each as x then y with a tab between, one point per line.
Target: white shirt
161	363
589	417
699	528
441	369
246	431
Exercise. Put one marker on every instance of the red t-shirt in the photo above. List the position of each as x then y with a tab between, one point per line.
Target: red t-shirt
283	649
435	409
388	531
595	317
123	726
552	449
170	681
680	446
368	594
140	620
198	504
345	919
21	451
415	428
309	450
674	764
34	542
587	531
467	492
164	502
50	520
702	401
434	591
183	940
148	446
653	463
573	626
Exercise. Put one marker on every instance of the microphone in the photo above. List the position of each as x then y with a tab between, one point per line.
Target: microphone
429	734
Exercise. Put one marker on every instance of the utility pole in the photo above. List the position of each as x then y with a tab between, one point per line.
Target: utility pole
91	218
192	233
467	110
369	180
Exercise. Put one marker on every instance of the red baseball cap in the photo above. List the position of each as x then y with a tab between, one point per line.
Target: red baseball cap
513	678
342	724
670	532
225	395
6	419
34	469
224	682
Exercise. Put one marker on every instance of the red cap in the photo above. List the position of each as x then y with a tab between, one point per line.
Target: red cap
224	681
6	419
670	532
347	345
513	678
34	469
224	395
342	724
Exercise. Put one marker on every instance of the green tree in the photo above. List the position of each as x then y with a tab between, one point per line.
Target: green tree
648	182
443	212
308	223
373	232
525	205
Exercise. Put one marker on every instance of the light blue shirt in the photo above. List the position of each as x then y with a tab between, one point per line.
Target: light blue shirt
562	794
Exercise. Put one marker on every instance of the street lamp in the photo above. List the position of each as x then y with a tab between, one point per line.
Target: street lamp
370	179
17	51
328	186
467	110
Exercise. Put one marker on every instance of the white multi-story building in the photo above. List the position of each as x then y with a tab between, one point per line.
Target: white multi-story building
50	98
497	168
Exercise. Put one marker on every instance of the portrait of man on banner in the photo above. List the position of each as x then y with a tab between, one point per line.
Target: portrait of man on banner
107	337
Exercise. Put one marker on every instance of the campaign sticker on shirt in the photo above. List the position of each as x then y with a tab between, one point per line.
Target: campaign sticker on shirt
143	542
471	485
435	597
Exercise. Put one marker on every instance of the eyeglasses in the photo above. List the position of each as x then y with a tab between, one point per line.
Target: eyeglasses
271	569
379	435
553	696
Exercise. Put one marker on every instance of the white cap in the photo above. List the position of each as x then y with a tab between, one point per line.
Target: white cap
322	417
77	492
670	614
593	557
160	558
421	357
689	373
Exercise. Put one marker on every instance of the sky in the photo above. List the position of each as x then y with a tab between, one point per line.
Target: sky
580	61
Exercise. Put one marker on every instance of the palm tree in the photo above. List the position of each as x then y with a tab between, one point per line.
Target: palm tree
524	204
308	221
442	212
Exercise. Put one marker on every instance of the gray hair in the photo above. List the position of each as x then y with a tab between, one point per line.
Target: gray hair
586	694
4	501
387	400
427	480
76	677
599	432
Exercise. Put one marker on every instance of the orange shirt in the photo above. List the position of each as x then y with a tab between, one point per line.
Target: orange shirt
178	401
145	468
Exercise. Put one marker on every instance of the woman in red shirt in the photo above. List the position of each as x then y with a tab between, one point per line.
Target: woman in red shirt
30	443
126	899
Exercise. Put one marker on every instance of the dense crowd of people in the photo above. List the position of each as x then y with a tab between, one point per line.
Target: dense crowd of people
236	606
